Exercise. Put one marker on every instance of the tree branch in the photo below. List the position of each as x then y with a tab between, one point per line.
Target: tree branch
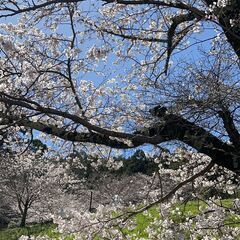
34	7
228	18
170	127
230	127
172	192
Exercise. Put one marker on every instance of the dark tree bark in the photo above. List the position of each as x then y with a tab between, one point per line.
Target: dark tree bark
229	20
177	128
171	127
23	207
24	217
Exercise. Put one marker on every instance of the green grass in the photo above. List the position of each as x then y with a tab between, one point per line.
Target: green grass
34	230
179	214
142	221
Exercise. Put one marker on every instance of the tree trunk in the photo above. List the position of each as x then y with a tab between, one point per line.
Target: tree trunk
24	216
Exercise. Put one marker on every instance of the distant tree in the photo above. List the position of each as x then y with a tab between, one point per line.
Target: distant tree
29	178
80	164
139	163
6	212
36	145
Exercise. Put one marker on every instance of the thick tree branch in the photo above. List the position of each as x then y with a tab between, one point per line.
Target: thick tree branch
228	17
230	127
173	38
170	127
171	4
229	20
67	135
38	109
177	128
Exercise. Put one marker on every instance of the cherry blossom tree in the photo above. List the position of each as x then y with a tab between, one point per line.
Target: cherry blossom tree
30	178
212	221
43	63
113	75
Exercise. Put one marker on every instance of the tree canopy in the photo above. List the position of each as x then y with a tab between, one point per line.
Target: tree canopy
123	74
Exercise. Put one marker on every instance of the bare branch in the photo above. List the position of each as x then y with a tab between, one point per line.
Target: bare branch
172	192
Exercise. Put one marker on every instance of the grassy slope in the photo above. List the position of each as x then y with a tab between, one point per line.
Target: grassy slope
34	230
142	222
190	209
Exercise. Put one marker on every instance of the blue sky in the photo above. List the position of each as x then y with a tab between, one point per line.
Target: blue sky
191	53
